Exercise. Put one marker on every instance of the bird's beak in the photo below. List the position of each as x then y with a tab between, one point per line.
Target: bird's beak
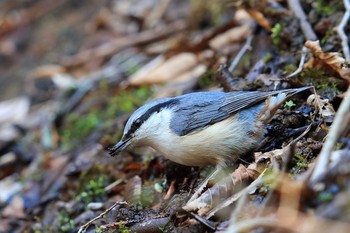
119	147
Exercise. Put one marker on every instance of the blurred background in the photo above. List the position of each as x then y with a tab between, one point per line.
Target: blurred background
72	72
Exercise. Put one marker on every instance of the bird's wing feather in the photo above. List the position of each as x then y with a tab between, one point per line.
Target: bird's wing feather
198	110
195	113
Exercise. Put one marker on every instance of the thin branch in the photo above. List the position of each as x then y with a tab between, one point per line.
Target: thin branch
340	30
301	63
298	11
83	228
239	56
249	225
342	118
260	180
108	49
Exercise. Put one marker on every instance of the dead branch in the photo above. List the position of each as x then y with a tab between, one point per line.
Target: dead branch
239	56
117	45
298	11
83	228
249	225
153	225
340	30
301	63
25	17
225	78
303	224
223	189
342	118
331	60
256	183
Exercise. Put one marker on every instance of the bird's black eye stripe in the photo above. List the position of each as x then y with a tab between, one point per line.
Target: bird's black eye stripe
135	125
157	108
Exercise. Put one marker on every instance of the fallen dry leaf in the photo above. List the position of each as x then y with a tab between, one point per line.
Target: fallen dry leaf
222	190
260	19
14	110
236	34
164	70
15	208
333	60
233	35
133	189
324	107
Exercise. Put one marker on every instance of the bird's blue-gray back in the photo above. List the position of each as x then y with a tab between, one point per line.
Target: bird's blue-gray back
199	110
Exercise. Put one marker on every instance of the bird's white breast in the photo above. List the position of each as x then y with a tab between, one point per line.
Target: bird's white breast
222	141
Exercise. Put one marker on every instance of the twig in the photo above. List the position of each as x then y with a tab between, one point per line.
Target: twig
115	46
239	207
153	225
83	228
239	56
149	226
112	185
342	118
248	225
110	73
298	11
204	221
225	78
27	15
202	186
340	30
260	180
155	15
301	63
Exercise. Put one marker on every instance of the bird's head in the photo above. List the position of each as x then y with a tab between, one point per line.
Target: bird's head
143	124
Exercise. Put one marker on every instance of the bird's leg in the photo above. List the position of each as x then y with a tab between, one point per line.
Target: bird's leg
213	175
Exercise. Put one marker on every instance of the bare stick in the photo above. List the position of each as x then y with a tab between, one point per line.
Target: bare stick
248	225
83	228
340	30
301	63
342	118
260	180
239	56
108	49
298	11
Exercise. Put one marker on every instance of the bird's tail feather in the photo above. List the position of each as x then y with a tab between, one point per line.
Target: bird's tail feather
274	101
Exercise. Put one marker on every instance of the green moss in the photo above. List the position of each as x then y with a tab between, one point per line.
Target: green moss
327	8
325	196
78	127
267	57
247	60
210	13
329	36
92	190
288	69
122	228
66	224
275	33
206	79
301	164
147	195
321	80
127	101
132	70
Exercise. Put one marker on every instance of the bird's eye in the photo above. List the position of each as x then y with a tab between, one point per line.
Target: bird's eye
137	123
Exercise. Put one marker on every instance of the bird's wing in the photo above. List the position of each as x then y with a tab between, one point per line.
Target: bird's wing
198	110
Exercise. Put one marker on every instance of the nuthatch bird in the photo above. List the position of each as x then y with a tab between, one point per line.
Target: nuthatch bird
203	128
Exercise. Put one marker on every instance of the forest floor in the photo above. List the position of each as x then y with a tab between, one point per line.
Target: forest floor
72	72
